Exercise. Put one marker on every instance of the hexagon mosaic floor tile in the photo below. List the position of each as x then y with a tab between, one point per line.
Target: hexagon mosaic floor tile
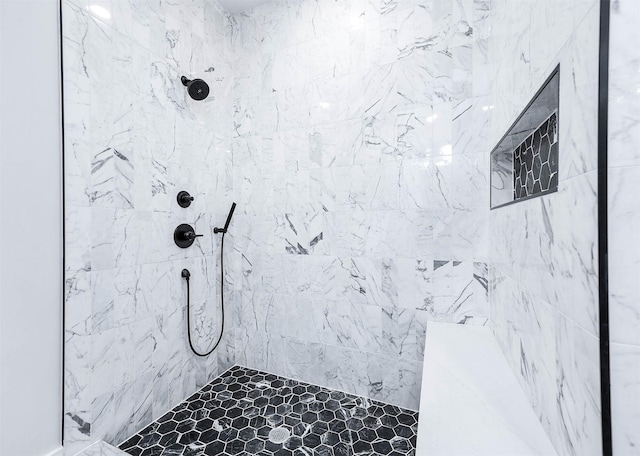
237	412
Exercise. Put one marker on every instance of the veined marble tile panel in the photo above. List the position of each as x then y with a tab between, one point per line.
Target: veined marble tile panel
132	139
625	397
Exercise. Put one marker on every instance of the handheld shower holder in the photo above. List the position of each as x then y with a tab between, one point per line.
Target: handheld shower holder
217	230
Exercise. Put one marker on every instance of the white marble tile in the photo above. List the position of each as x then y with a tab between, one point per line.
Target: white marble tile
415	283
260	350
78	315
346	370
578	94
102	300
77	390
414	133
304	360
624	312
453	292
78	245
123	413
625	398
579	424
412	327
575	253
102	415
102	362
143	399
409	387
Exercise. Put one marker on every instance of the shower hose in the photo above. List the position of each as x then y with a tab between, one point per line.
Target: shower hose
187	276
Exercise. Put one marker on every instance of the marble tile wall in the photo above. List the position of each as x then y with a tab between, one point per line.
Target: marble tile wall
133	139
544	257
624	225
360	168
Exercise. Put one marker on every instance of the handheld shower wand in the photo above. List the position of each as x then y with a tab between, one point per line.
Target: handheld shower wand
226	225
187	276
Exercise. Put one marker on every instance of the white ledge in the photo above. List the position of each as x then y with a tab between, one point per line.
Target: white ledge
471	402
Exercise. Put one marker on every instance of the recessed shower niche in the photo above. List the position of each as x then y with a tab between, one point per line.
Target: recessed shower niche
524	164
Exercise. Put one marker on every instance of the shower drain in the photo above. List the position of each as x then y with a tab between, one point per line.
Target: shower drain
279	435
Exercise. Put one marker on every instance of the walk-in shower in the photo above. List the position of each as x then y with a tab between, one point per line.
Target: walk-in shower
355	138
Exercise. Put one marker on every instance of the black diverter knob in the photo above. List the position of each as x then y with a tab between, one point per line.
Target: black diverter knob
184	236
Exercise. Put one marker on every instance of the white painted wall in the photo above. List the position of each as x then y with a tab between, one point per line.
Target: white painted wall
30	228
624	226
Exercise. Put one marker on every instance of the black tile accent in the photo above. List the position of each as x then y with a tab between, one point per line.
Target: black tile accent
535	161
233	416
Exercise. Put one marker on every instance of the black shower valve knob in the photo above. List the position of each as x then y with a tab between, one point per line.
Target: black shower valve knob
184	199
184	236
190	235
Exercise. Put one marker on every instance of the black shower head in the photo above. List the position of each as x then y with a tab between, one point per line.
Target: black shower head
197	88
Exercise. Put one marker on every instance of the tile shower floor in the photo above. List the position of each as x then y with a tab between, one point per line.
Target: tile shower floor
236	413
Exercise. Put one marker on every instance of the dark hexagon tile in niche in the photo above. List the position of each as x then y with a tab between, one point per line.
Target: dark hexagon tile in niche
535	161
537	188
537	166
